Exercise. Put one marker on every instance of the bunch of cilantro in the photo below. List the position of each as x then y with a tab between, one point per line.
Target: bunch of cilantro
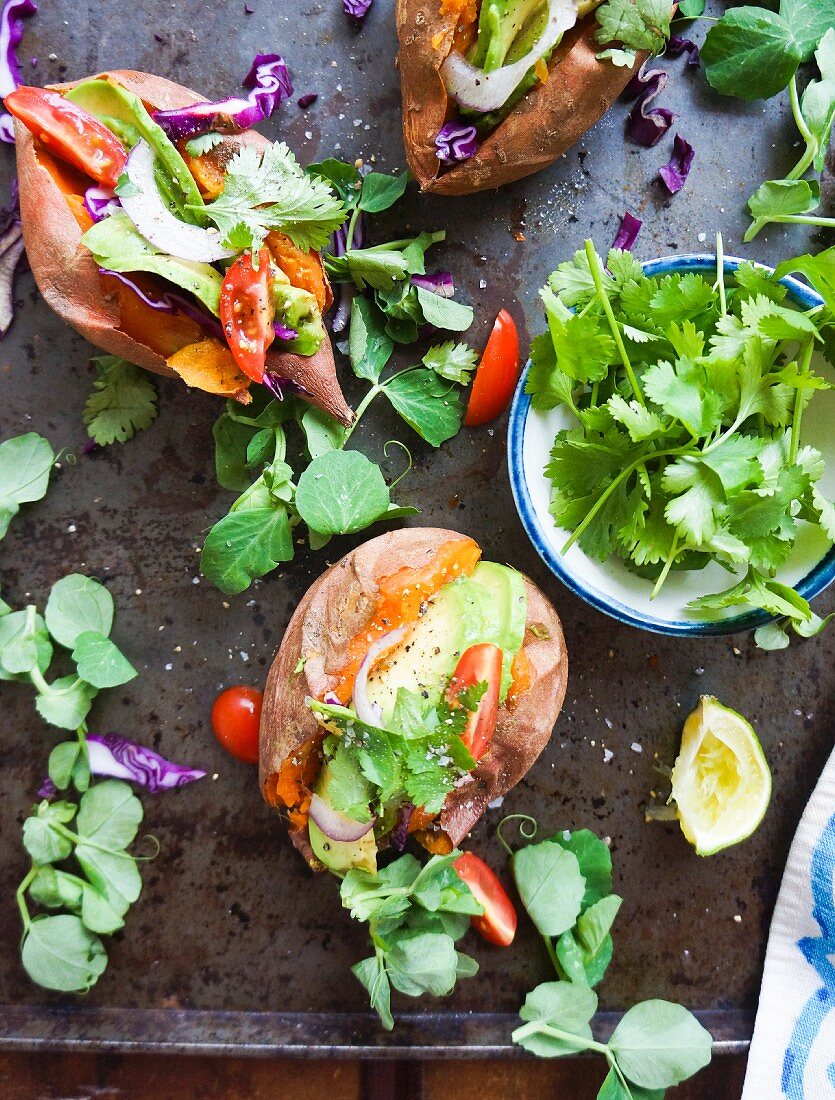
417	757
689	399
755	53
565	885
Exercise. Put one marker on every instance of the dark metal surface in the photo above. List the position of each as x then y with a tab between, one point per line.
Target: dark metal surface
233	944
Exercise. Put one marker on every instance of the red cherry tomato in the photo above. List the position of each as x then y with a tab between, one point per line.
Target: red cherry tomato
70	133
497	374
478	664
246	312
236	717
497	924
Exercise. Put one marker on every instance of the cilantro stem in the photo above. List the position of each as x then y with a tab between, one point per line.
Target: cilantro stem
668	564
794	442
720	274
596	274
21	900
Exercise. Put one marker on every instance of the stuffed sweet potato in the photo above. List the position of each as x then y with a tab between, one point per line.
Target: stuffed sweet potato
217	327
453	148
414	685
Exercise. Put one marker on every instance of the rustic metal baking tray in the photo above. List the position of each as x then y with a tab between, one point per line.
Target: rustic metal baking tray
233	945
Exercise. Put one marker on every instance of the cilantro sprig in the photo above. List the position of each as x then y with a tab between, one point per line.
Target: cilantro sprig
565	885
123	401
415	916
689	399
754	53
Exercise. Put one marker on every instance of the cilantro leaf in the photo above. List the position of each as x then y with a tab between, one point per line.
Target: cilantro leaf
123	401
269	191
456	362
203	143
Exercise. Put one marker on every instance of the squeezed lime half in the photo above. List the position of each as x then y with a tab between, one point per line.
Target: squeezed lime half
721	779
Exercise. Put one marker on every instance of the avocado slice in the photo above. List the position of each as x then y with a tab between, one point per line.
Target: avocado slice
505	590
340	855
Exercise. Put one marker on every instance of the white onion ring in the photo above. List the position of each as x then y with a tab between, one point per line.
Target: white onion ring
335	825
474	88
369	712
148	212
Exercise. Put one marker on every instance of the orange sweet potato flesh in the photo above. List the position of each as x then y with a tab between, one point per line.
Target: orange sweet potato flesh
69	280
546	122
335	609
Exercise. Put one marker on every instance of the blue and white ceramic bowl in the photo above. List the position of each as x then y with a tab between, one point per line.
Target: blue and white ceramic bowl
610	586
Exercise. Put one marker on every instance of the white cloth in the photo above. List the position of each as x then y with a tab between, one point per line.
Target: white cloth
793	1049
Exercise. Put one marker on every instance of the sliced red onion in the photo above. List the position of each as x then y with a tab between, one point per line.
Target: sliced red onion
170	303
440	283
119	758
335	825
284	332
630	227
456	142
332	699
474	88
147	209
369	712
99	202
674	174
342	318
356	9
269	79
12	15
644	125
678	45
400	833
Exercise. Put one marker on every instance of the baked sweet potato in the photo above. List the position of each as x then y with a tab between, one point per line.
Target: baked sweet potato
579	89
110	316
340	605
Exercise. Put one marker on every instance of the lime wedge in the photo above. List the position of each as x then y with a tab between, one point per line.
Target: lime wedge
721	779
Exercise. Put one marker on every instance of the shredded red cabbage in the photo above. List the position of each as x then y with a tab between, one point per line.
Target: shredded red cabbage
279	386
115	756
171	303
47	789
400	833
284	332
644	125
630	227
456	142
440	283
269	79
678	45
12	15
100	201
307	100
675	172
11	250
356	9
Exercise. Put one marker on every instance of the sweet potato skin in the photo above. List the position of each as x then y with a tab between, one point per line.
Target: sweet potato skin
67	274
334	609
547	121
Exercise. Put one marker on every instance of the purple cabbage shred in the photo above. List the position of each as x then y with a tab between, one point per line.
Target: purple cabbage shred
678	45
115	756
170	303
280	386
356	9
400	833
440	283
47	789
284	332
630	227
269	81
99	202
674	174
307	100
12	15
646	125
248	10
456	142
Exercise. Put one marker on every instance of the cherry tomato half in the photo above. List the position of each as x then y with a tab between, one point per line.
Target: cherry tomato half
236	717
497	374
497	924
246	312
70	133
478	664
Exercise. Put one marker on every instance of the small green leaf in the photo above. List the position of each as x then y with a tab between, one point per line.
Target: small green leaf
341	492
372	974
429	404
321	432
62	761
26	462
122	403
24	643
452	361
380	191
776	198
659	1044
550	885
751	52
60	953
562	1006
78	603
231	443
67	703
368	345
613	1089
100	662
444	313
244	545
43	843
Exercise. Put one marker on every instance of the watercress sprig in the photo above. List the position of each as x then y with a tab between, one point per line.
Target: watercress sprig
26	463
565	885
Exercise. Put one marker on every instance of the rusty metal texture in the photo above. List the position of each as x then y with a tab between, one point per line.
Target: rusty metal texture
233	944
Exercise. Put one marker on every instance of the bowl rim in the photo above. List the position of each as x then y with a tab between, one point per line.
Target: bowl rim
815	581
